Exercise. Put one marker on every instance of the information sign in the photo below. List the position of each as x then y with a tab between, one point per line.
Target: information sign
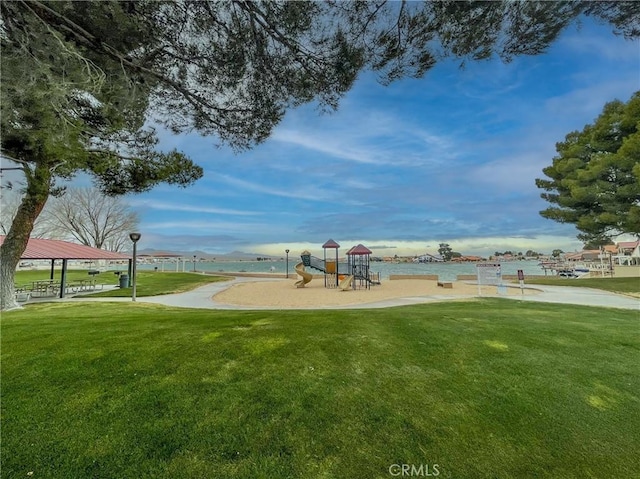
489	273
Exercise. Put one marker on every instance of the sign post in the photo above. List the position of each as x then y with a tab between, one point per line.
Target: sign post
521	280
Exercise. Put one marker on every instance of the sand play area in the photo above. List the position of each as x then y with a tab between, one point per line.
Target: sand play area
284	294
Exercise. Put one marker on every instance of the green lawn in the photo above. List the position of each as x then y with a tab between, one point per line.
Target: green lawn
486	388
615	285
149	283
25	277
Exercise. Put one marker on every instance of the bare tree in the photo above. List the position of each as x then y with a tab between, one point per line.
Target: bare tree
91	218
9	202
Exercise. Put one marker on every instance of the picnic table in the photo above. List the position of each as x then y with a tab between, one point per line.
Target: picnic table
45	287
80	285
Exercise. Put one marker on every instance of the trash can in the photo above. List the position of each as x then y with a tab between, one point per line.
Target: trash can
124	280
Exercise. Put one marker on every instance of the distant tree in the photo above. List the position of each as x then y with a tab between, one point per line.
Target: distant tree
598	243
595	179
456	254
9	204
556	253
91	218
445	251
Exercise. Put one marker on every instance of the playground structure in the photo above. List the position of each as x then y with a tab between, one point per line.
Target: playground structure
355	273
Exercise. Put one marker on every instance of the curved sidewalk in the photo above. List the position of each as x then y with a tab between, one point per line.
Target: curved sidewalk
202	298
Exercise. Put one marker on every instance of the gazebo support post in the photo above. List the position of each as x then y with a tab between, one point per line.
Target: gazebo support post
63	278
53	268
337	270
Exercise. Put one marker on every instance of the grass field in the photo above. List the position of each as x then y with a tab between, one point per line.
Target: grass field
483	389
614	285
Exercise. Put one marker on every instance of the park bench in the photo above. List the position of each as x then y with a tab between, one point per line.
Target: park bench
445	284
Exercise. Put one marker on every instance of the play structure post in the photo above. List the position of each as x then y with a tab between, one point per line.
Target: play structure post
360	270
324	250
330	244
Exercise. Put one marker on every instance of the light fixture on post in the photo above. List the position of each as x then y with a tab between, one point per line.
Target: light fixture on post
287	263
134	237
194	263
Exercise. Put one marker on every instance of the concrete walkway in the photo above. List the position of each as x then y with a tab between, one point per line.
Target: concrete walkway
202	298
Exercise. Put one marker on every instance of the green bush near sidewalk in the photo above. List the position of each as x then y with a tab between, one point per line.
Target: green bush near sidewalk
486	388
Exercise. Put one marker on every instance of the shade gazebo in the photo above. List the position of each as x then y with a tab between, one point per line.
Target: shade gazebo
46	249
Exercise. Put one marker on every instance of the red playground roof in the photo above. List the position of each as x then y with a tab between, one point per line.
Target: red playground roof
359	250
331	244
54	249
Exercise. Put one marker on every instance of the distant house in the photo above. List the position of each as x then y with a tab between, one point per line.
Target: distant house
623	253
428	258
628	253
577	256
591	254
627	247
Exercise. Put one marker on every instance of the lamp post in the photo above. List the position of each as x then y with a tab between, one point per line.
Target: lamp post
194	263
287	251
134	237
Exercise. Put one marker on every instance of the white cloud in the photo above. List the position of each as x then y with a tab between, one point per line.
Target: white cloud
587	102
599	46
204	227
374	138
166	206
305	194
511	174
329	146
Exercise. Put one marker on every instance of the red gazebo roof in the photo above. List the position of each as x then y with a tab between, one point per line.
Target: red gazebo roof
38	248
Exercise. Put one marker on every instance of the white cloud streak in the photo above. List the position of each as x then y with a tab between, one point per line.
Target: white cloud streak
187	208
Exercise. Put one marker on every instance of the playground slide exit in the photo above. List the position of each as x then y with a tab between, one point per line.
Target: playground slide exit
345	283
306	276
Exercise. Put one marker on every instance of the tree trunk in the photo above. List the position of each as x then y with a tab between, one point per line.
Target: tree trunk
36	195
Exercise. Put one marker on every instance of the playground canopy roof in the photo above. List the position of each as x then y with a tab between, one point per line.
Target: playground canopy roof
359	250
38	248
331	244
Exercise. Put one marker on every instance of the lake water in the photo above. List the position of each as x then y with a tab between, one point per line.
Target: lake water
445	271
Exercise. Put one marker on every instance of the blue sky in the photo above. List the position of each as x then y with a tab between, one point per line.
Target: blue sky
451	157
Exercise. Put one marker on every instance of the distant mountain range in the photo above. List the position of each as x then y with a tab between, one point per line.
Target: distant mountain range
234	255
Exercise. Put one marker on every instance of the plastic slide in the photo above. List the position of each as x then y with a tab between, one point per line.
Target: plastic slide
345	284
306	277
